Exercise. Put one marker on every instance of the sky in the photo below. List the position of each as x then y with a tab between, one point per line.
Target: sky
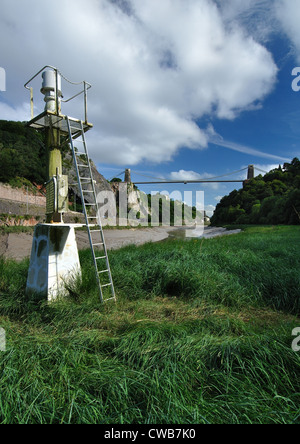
181	89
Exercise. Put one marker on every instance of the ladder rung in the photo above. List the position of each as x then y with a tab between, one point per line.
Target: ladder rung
106	285
86	191
90	205
104	271
100	257
105	300
86	178
97	245
83	166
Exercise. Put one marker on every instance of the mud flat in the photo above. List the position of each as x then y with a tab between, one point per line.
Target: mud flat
17	246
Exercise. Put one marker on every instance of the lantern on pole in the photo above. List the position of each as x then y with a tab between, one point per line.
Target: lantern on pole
54	257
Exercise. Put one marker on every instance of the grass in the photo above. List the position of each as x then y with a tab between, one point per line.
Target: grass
15	229
201	333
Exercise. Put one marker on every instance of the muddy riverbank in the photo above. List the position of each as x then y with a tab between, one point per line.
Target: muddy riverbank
17	246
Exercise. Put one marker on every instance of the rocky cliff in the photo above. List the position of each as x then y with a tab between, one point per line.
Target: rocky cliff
101	183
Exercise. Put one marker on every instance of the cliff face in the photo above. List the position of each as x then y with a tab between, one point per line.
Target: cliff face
137	201
101	183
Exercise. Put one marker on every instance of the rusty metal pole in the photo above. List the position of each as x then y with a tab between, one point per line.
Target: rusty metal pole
54	165
31	103
54	152
85	102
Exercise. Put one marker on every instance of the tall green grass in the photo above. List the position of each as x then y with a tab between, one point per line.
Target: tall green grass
201	333
258	267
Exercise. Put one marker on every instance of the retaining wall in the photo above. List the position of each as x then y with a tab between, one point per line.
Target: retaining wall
20	195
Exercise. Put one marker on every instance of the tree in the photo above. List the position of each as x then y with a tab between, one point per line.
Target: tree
272	199
21	153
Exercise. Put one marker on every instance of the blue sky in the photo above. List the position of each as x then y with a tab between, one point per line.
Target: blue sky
182	89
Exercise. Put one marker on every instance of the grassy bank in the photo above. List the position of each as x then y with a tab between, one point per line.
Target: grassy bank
201	333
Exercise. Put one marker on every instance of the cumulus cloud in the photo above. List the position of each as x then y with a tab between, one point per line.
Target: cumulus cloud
155	66
184	175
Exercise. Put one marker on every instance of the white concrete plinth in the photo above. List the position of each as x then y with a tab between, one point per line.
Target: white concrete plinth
54	261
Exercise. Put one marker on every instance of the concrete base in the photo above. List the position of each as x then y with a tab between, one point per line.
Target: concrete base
54	260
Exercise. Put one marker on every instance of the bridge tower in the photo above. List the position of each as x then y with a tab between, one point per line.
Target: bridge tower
250	175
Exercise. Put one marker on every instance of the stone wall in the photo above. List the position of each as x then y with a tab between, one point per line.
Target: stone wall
20	195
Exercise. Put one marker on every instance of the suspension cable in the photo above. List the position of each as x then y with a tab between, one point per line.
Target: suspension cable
210	178
262	171
115	177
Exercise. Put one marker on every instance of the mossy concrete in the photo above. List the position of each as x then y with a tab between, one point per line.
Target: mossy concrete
54	262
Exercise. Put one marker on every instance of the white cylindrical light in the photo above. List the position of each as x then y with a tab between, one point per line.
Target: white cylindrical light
49	90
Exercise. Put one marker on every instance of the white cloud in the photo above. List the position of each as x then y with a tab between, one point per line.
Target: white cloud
21	113
218	198
209	210
155	67
183	175
288	13
263	169
255	17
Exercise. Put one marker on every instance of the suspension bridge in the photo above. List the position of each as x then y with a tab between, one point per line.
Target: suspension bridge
217	179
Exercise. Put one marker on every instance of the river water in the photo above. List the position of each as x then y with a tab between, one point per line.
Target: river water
201	233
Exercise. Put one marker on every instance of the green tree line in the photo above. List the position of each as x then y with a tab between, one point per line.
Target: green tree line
21	153
270	199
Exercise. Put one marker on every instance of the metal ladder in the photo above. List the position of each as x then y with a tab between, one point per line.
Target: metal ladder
95	231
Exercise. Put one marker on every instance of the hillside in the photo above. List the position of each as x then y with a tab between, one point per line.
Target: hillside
23	159
22	153
23	162
270	199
